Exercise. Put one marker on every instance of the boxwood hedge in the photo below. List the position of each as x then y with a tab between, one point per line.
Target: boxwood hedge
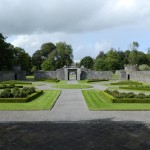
128	97
127	83
22	100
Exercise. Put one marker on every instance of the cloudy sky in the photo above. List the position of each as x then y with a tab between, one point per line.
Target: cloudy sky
89	26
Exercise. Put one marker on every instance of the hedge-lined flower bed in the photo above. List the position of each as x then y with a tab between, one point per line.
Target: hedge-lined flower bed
15	82
127	83
136	87
16	92
120	97
4	86
29	98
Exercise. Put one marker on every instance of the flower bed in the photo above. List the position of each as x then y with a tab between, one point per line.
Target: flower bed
128	97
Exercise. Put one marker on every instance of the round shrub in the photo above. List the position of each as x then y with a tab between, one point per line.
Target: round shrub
130	95
6	93
16	92
31	90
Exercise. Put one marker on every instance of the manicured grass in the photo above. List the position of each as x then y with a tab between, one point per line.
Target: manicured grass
72	86
99	100
30	77
44	102
82	81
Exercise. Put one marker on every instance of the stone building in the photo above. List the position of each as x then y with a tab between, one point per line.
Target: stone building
131	72
16	74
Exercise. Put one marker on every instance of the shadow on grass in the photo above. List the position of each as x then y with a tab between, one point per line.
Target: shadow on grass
83	135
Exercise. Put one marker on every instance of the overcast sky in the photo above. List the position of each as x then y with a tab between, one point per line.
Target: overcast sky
89	26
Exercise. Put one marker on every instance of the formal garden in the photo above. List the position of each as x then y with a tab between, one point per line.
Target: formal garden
20	95
119	95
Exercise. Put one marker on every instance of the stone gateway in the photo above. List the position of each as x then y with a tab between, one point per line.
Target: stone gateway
80	74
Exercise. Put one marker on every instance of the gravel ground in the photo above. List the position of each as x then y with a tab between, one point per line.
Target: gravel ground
85	135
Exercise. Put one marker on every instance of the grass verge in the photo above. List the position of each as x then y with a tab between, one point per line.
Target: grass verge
72	86
99	100
43	102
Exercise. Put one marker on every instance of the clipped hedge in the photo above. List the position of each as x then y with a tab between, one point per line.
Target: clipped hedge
127	83
4	87
15	82
136	87
128	97
131	100
22	100
96	80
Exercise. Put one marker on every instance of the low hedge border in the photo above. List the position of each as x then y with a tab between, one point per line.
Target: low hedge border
10	87
127	83
136	88
22	100
131	100
14	82
96	80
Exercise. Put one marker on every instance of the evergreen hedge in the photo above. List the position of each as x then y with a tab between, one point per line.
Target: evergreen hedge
96	80
127	83
136	87
22	100
128	97
131	100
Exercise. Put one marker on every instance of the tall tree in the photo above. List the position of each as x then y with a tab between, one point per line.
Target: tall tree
65	54
37	59
47	48
59	58
22	59
6	54
134	45
87	62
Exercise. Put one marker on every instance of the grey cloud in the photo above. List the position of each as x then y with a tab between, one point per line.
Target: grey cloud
70	16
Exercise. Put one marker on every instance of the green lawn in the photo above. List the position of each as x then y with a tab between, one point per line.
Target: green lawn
44	102
99	100
72	86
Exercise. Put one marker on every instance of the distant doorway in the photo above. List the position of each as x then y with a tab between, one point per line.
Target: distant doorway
72	74
128	76
15	76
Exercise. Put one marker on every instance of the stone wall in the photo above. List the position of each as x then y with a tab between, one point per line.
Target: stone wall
60	74
89	74
6	75
12	75
40	75
143	76
123	75
130	68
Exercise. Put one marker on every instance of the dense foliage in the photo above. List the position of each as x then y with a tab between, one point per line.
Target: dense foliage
54	56
122	97
11	56
16	92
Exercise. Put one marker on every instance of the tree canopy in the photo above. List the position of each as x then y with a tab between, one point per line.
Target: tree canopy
87	62
60	57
